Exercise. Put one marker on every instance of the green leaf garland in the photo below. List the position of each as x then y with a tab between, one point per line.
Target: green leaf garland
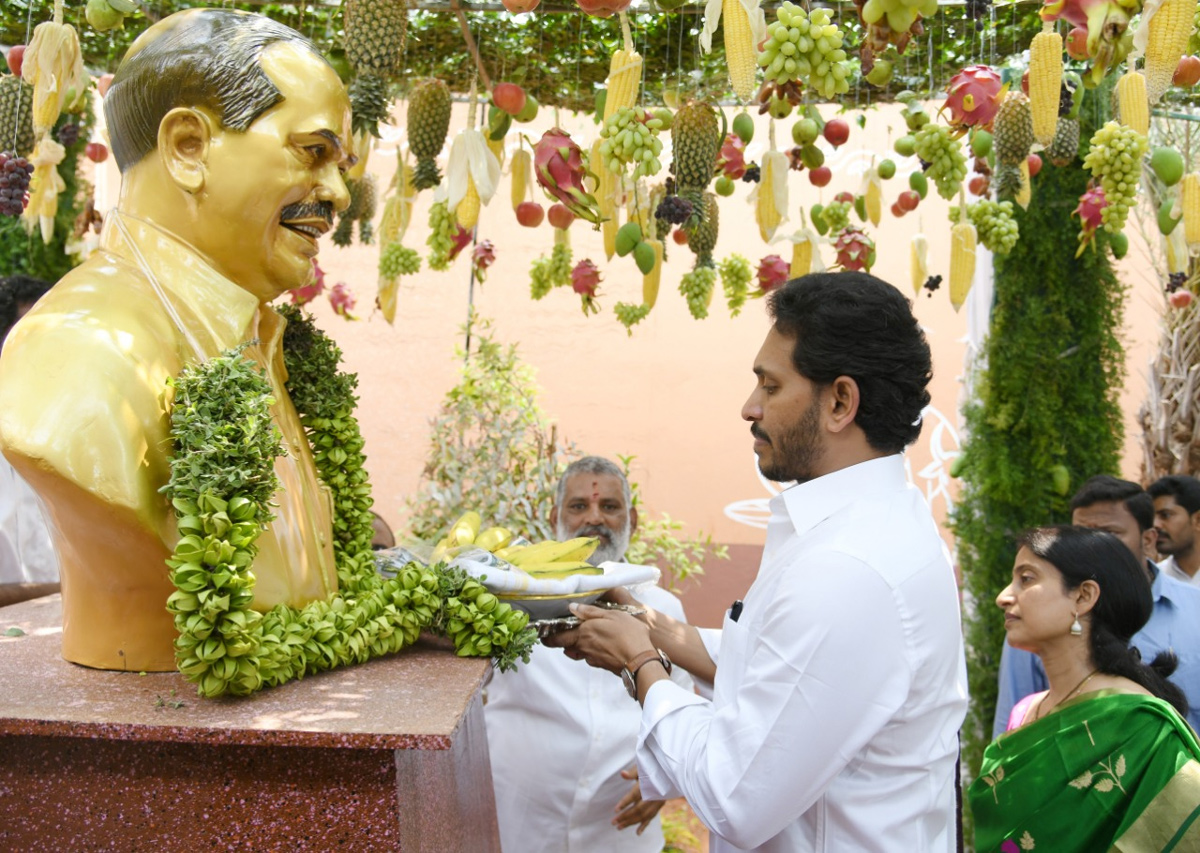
221	485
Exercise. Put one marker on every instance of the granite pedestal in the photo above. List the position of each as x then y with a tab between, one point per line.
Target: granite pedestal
390	755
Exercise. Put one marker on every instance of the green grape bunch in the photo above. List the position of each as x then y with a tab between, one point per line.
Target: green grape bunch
837	216
735	281
697	288
397	260
1115	159
629	314
994	223
805	47
630	136
944	154
442	228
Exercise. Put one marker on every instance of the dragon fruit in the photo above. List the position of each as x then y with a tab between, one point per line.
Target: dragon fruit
855	250
772	273
462	236
482	258
732	159
974	96
309	292
1107	25
343	301
1091	206
558	164
585	280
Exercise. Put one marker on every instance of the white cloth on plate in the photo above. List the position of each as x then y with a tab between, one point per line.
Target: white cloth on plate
516	582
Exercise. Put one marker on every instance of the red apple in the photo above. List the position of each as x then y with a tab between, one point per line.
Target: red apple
603	8
1180	298
837	131
1077	44
16	55
97	152
1035	164
909	199
848	198
897	210
1025	83
1187	72
530	214
519	6
509	97
679	236
978	185
820	176
559	216
102	84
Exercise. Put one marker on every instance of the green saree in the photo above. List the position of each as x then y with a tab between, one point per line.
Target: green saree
1107	771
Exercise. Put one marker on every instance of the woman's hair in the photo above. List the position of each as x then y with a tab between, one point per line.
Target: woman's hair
1124	605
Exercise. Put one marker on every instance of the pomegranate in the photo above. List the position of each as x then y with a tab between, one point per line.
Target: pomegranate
820	176
1187	72
97	152
837	131
508	97
1077	47
530	214
1180	298
679	236
979	185
1035	164
16	55
897	210
560	217
908	200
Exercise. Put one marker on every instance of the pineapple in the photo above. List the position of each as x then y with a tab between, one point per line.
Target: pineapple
1006	181
375	36
428	123
702	237
1065	147
364	198
696	139
16	116
1013	130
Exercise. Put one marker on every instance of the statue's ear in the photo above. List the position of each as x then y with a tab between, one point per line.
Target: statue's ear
183	138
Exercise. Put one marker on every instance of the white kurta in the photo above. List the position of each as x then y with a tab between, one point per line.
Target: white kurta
839	691
560	732
26	552
1171	568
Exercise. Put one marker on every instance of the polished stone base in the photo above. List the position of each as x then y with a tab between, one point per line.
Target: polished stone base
391	755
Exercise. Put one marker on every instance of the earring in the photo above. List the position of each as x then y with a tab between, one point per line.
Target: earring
1076	628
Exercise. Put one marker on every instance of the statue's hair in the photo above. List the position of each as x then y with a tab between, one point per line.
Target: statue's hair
197	58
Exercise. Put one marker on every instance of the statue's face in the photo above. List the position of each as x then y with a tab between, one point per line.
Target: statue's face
271	191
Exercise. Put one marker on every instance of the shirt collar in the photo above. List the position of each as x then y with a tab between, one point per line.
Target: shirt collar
189	281
808	504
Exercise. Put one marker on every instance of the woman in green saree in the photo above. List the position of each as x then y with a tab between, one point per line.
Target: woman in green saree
1103	760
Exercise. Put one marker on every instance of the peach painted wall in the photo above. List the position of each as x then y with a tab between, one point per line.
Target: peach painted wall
670	394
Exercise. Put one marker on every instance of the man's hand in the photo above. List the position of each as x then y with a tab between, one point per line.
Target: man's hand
632	808
606	639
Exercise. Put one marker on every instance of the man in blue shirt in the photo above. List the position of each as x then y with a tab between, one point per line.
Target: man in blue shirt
1125	510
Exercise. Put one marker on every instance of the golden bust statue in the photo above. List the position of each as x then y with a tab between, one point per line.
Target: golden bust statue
231	133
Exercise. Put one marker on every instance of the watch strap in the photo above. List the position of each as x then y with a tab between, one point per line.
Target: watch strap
638	661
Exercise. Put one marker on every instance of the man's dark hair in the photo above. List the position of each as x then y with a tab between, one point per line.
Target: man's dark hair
15	291
209	58
1185	490
1103	489
853	324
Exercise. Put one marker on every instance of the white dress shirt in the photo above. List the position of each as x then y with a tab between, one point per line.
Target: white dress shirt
26	552
560	732
839	691
1172	570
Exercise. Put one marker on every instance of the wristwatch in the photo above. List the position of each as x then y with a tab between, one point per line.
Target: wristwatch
630	670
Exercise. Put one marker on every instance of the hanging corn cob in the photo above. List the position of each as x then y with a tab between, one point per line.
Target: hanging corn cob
803	249
1168	29
873	196
44	187
745	27
519	171
52	65
918	261
1025	193
606	187
962	257
472	172
1045	82
624	74
1132	101
651	280
771	194
1191	211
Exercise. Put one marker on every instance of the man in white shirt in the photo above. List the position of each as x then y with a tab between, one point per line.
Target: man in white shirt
840	681
28	566
1176	518
561	734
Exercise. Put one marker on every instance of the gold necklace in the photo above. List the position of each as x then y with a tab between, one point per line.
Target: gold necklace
1074	690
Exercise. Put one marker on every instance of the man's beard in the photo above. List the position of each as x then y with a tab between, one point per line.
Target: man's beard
795	452
613	545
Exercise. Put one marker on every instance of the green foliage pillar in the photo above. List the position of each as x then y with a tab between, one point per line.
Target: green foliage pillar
1044	416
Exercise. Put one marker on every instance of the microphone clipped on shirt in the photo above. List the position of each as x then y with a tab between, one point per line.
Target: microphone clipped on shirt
735	610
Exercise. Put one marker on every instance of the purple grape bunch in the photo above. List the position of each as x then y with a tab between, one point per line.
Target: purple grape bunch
14	183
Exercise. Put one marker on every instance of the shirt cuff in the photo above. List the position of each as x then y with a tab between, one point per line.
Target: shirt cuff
662	699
